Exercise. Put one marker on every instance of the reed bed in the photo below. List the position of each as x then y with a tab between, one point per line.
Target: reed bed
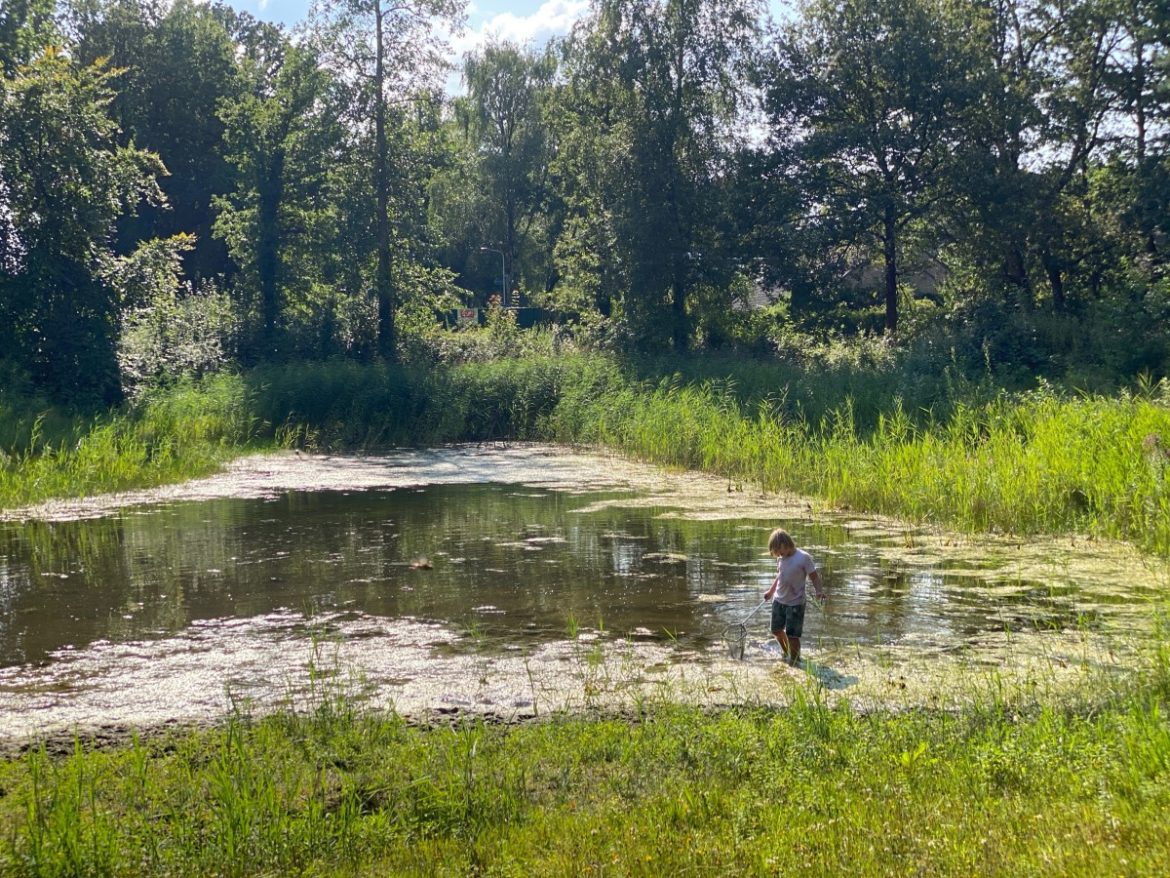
1030	463
1043	461
186	431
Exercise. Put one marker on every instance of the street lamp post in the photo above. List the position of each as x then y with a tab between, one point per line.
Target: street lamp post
503	276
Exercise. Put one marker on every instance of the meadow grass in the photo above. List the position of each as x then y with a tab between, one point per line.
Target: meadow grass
817	789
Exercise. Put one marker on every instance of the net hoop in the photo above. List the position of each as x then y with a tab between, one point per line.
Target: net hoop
735	637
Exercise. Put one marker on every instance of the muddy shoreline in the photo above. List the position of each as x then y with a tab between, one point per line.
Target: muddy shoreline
114	736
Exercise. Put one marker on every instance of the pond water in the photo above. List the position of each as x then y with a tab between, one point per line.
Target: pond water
428	569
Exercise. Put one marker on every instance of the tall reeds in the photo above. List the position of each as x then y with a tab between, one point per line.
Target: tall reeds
1041	461
186	431
1037	462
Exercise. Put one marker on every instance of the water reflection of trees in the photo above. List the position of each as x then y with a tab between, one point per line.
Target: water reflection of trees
528	553
876	598
75	582
502	558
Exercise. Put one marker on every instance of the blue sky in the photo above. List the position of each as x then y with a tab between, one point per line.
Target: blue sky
518	21
532	18
522	21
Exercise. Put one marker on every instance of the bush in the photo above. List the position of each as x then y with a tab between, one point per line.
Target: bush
169	331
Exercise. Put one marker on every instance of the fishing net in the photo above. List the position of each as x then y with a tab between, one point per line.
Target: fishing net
735	636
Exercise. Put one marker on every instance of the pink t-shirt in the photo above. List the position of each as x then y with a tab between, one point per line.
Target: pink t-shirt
794	572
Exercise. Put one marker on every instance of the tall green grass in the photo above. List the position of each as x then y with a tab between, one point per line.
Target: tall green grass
344	404
1041	461
1038	462
186	431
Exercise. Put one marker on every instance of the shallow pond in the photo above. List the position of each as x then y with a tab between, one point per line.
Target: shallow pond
475	577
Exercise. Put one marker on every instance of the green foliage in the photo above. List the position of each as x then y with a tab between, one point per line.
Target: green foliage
1049	79
280	134
852	425
29	422
658	215
387	53
63	183
176	334
186	431
655	91
26	27
1003	157
871	94
429	291
347	405
1039	462
504	200
499	339
179	63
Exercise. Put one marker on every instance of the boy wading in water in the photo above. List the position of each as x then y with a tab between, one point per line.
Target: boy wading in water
793	567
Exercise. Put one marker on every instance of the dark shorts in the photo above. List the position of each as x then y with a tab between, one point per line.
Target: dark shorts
788	619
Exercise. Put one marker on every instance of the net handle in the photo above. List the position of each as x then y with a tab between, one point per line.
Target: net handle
753	612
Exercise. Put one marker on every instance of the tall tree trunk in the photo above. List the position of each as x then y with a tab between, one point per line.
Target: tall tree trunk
1015	272
1141	123
1139	75
1056	281
268	250
682	331
383	282
510	248
890	243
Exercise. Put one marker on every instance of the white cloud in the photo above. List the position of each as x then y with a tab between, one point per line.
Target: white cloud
553	18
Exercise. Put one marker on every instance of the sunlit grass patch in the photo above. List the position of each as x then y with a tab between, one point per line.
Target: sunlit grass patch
186	431
812	788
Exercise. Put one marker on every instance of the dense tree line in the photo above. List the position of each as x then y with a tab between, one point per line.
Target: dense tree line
181	183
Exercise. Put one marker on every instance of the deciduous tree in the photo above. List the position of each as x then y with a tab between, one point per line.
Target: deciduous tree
503	117
64	181
281	136
872	95
390	51
656	90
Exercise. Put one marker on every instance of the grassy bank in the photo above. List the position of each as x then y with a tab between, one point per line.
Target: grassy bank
1031	463
191	429
1036	462
1077	790
187	431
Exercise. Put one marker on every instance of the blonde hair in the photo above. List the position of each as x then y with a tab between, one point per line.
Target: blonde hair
779	540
